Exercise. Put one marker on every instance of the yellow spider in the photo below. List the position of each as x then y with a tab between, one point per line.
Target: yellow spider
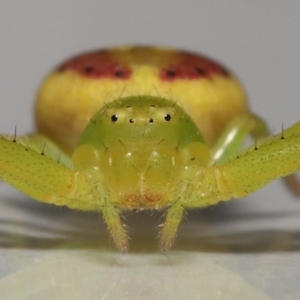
135	128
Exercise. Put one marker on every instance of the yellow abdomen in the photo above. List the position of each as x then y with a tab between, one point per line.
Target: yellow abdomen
78	88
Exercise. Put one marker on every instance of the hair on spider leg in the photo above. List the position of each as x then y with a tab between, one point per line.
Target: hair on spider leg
282	132
58	158
255	144
15	135
125	226
162	218
185	216
129	213
123	219
27	147
23	143
162	225
156	211
99	219
44	147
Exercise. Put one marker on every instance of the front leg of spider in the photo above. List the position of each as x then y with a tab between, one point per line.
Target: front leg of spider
169	228
194	159
253	168
92	163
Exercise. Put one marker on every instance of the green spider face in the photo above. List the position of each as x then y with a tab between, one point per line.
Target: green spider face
141	144
135	121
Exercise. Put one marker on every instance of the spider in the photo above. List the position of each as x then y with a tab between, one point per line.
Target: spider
134	128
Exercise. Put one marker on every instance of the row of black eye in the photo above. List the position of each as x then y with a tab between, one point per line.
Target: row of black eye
167	117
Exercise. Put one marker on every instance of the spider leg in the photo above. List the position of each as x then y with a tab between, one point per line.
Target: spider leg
86	161
255	167
41	144
42	177
182	194
170	226
112	218
235	134
47	180
292	181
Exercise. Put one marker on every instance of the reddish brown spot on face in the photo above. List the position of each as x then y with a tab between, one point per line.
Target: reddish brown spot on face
153	198
97	65
132	199
140	201
191	66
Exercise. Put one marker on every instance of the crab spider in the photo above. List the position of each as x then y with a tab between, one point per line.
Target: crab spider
136	128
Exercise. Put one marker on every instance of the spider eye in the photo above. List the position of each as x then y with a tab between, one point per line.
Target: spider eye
114	118
150	120
167	117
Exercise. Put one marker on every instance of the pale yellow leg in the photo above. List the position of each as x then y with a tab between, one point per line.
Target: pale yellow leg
169	229
292	181
42	144
235	134
41	177
49	181
116	228
254	168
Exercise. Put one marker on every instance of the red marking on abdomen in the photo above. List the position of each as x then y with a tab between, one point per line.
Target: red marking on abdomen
97	65
192	66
